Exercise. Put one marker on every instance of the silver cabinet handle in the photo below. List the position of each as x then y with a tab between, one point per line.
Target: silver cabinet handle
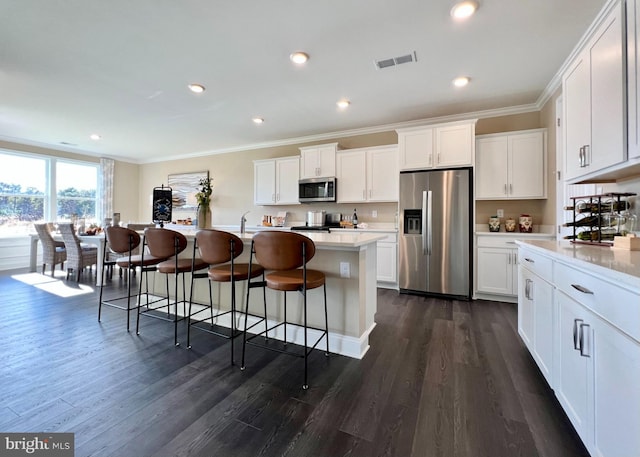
586	155
529	289
529	260
581	157
582	289
505	189
511	188
583	353
575	334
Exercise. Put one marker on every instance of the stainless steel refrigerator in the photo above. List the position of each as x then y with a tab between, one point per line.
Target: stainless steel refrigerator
436	232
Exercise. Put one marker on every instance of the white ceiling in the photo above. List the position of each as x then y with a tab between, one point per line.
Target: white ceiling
70	68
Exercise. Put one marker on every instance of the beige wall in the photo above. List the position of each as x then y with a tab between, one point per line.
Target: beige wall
232	175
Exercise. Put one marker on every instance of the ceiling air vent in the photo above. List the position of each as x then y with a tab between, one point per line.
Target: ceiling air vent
392	62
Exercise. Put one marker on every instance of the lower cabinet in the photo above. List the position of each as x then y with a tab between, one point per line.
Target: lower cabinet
387	274
583	330
535	310
497	269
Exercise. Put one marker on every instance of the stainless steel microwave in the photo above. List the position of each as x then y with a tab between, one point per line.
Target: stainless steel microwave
317	190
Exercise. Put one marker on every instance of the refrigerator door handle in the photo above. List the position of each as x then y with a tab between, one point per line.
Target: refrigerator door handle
429	223
424	222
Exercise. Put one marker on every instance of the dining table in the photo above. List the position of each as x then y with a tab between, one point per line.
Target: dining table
96	240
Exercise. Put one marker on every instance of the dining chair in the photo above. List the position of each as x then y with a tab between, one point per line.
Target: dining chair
166	246
219	251
79	256
285	255
53	252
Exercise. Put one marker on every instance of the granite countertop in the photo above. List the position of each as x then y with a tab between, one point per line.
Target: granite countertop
617	265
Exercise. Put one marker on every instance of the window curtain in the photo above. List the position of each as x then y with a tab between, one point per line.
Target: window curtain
106	179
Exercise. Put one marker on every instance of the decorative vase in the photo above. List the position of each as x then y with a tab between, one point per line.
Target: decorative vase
204	217
494	224
525	223
510	225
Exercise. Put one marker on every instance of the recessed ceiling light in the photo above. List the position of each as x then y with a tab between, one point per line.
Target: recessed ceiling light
196	88
95	136
257	120
343	104
463	10
461	81
299	57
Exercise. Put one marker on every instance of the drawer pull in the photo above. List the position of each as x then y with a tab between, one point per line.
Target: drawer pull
583	353
529	260
576	341
582	289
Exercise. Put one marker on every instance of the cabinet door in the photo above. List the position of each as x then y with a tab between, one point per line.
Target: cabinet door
416	149
351	176
633	78
607	95
496	270
526	308
527	166
574	369
309	163
491	168
383	178
327	161
264	182
542	293
287	172
455	145
387	270
616	391
577	114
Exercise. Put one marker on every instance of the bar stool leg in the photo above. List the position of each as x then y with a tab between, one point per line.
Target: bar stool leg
326	318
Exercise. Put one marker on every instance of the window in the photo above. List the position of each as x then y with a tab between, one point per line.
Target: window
40	188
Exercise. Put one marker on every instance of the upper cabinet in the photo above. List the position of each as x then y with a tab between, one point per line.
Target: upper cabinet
594	101
368	175
318	161
437	146
511	165
633	77
275	181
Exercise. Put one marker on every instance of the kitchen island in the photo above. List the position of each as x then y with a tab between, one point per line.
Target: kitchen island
349	263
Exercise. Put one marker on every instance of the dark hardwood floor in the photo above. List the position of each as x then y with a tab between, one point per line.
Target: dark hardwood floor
442	378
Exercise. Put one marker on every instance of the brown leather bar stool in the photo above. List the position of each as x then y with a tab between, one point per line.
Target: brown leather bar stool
168	244
123	243
219	250
287	254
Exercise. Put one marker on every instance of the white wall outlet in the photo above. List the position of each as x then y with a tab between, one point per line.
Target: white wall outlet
345	270
374	213
500	213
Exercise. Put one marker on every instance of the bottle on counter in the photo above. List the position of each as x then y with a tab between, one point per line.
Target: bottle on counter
355	219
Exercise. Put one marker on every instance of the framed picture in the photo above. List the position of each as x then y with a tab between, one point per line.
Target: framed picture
184	187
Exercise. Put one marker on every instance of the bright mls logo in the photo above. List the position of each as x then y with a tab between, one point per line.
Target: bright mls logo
37	444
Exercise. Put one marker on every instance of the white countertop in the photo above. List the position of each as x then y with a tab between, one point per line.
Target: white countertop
615	264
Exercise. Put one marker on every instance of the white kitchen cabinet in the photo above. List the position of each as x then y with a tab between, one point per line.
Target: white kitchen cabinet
318	161
437	146
633	78
367	175
275	181
511	166
535	308
594	101
387	253
497	270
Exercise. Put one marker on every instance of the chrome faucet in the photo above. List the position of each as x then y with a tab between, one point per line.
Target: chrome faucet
243	219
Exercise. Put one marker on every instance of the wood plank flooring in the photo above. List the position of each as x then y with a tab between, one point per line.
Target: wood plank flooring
442	378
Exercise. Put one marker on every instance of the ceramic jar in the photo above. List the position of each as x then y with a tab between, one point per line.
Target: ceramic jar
494	224
525	223
510	225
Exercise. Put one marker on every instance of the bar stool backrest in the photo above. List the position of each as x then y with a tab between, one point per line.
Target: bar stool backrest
276	250
164	243
216	247
121	240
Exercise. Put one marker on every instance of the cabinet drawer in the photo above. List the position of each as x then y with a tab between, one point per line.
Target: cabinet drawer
618	306
536	263
497	241
390	238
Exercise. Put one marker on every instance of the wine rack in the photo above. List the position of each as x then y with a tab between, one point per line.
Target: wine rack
594	217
